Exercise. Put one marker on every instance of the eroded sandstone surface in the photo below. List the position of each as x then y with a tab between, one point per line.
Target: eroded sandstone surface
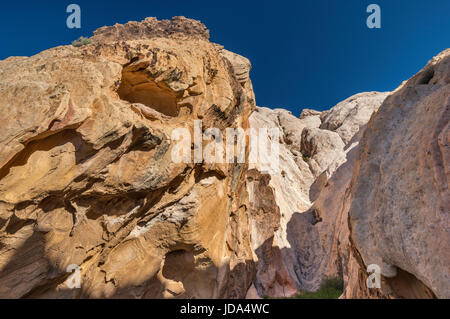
402	222
87	177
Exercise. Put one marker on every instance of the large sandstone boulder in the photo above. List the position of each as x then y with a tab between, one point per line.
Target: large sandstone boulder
308	240
399	213
87	178
387	204
348	116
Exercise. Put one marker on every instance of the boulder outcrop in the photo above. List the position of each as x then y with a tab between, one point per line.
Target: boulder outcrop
87	177
88	180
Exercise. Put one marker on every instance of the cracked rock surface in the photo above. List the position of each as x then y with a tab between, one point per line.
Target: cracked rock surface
87	177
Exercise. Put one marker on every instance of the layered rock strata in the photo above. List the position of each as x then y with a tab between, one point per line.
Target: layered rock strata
88	178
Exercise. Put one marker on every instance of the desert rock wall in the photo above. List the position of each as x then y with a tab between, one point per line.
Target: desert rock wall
88	178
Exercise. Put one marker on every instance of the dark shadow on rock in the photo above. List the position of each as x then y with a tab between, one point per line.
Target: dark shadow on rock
303	237
27	269
272	278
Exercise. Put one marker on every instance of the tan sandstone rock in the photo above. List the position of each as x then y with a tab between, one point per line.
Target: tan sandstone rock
399	212
348	116
87	177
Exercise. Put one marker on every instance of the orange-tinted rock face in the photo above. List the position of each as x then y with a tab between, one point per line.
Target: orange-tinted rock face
88	180
87	176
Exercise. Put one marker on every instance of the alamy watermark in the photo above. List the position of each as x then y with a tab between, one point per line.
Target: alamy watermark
74	19
208	146
374	278
74	280
374	20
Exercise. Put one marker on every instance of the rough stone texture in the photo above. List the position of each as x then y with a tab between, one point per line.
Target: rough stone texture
241	65
311	240
177	27
401	222
87	178
273	200
323	230
348	116
86	173
322	148
388	203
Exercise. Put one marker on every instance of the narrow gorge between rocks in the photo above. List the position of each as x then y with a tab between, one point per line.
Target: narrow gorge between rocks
87	178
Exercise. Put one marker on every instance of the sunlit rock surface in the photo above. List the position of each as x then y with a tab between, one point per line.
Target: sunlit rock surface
87	177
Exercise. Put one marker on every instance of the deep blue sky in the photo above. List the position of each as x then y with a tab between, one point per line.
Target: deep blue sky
305	53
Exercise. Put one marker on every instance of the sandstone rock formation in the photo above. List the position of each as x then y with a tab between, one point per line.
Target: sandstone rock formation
87	177
402	221
348	116
303	250
388	203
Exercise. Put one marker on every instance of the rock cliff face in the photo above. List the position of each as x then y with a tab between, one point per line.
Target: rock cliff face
402	221
87	177
316	163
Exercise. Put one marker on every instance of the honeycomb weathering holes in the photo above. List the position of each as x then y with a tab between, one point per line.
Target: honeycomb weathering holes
137	87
